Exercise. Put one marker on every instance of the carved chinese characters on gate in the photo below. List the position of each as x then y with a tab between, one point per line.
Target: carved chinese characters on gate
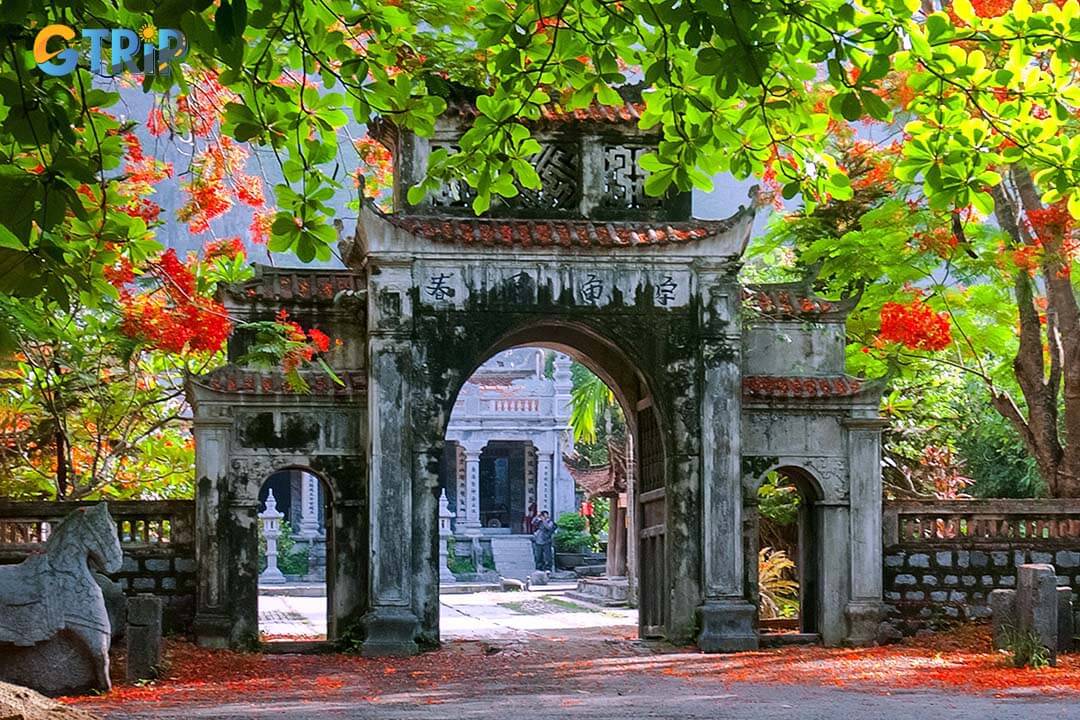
448	286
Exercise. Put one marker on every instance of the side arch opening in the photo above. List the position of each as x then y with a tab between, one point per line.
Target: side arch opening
296	557
789	553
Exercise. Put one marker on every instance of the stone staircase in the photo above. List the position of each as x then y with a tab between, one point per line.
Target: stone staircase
513	555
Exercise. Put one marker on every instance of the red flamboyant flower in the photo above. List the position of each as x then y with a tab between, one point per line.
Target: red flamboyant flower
261	220
915	325
320	339
227	247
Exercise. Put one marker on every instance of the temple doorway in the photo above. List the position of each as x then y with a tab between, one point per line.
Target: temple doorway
294	546
531	445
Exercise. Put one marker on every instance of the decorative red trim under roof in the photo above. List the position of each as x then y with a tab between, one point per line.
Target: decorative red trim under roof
234	380
548	233
768	386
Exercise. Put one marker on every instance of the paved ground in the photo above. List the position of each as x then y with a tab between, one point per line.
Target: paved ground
621	698
473	616
538	655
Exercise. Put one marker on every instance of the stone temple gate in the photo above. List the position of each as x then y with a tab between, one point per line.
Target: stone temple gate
720	384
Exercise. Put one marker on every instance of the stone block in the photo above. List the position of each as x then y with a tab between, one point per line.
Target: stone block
1065	619
1007	581
1041	558
963	558
979	559
1037	603
184	565
969	580
957	596
130	565
978	611
1067	559
939	596
904	580
952	580
168	583
1000	558
894	560
158	565
914	595
919	560
142	584
892	596
1002	616
944	558
1019	557
987	581
930	580
1062	580
143	637
951	611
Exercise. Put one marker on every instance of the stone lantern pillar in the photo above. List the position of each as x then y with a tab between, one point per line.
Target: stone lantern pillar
271	520
445	516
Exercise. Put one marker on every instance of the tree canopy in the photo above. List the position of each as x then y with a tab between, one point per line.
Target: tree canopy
981	183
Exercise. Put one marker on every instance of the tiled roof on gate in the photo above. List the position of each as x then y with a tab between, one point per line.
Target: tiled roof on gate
628	112
768	386
548	233
234	380
277	284
795	300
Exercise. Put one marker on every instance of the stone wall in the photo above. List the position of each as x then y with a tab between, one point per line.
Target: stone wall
942	558
157	537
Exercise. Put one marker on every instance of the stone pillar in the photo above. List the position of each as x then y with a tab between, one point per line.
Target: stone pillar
631	522
391	625
471	525
726	618
143	637
309	507
834	567
271	520
865	609
445	517
544	473
212	621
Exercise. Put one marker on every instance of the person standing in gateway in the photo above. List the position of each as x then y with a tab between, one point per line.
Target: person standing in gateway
543	538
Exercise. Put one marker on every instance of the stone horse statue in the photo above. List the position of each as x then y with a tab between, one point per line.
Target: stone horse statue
52	610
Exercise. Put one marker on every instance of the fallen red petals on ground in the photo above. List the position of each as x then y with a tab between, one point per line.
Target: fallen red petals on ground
960	661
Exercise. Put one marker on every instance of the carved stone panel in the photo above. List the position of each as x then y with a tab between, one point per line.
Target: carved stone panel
624	180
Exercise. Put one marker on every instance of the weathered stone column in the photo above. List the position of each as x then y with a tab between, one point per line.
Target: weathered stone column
390	625
212	621
445	518
471	525
834	527
726	618
865	609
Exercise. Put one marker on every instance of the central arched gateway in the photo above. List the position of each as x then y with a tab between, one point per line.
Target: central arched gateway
647	489
720	383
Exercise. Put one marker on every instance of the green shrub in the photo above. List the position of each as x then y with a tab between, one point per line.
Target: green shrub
571	537
1026	648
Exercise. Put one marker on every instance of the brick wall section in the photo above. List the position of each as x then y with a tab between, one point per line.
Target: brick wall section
157	537
942	559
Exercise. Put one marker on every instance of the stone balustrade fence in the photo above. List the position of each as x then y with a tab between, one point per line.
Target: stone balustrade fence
157	537
942	558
